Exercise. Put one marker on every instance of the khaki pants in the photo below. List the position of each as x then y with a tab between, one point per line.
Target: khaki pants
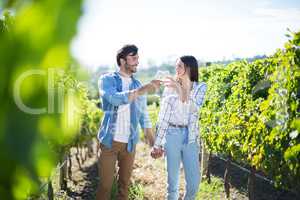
107	162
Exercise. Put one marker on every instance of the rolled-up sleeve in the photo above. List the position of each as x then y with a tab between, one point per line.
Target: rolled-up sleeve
197	98
199	95
163	121
108	91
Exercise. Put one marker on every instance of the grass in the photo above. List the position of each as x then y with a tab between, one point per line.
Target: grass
212	191
136	191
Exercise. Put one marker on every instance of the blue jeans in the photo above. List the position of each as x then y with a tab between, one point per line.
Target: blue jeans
177	150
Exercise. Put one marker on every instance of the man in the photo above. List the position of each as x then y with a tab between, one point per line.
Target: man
124	107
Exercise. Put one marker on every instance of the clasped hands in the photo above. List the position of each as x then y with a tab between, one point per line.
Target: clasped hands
156	152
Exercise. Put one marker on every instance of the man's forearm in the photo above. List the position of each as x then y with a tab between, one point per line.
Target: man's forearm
140	91
148	131
145	88
149	135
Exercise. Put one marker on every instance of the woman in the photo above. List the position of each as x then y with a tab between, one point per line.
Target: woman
177	128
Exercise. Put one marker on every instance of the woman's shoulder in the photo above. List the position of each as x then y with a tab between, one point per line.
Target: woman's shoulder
200	84
198	87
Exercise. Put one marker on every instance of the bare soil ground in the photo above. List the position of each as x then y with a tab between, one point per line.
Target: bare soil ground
151	174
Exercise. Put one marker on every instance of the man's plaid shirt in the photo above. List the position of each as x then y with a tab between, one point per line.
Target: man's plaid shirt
167	109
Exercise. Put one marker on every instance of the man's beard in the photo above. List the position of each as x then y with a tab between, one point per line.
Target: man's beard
130	68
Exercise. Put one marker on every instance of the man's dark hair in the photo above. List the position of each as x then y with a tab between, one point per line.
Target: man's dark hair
125	51
191	63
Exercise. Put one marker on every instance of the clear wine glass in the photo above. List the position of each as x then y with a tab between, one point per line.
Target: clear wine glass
161	75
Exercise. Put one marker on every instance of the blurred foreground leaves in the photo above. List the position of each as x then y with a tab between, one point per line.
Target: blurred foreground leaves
34	41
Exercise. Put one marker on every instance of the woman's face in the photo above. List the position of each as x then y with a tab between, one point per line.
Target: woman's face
179	68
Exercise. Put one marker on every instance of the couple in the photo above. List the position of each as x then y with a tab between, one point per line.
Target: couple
125	105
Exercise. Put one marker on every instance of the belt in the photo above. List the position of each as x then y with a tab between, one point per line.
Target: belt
177	125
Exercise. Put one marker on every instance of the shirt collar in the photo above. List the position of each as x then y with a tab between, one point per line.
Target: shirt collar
119	74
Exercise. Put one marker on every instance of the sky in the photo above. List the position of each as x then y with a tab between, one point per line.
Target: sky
166	29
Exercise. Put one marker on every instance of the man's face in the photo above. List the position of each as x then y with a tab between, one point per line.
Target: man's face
131	63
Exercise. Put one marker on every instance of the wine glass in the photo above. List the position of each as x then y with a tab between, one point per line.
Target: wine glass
161	75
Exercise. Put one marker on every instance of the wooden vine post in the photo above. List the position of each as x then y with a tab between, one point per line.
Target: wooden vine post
63	172
251	183
208	169
227	177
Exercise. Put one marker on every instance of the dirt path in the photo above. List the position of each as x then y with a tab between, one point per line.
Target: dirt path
151	174
148	172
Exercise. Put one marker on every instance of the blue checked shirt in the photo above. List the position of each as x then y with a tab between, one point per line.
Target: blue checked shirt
110	89
167	116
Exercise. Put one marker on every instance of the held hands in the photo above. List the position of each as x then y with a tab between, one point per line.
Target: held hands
150	138
157	152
